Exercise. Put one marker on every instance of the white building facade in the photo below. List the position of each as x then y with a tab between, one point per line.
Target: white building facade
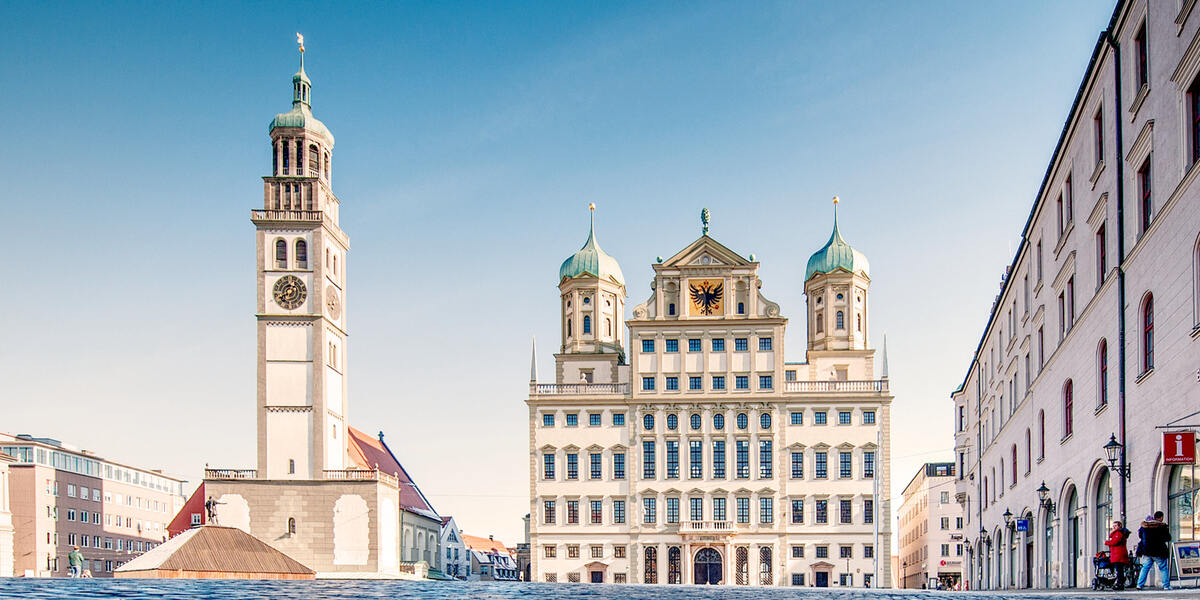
456	559
1094	334
701	456
930	530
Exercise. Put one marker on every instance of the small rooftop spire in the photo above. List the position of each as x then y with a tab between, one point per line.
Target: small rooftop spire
533	361
704	220
885	365
300	42
301	86
836	200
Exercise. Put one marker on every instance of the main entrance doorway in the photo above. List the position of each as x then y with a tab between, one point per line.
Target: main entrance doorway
708	567
822	578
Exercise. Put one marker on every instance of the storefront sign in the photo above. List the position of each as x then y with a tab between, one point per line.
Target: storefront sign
1187	558
1179	448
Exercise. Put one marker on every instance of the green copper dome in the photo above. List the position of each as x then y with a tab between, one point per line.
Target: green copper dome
837	254
301	113
591	261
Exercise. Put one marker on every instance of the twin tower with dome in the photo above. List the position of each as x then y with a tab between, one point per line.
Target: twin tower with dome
680	447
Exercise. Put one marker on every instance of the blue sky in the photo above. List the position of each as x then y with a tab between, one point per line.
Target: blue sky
470	139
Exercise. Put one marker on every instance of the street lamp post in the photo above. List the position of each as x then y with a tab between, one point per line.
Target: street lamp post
1116	458
1044	498
904	574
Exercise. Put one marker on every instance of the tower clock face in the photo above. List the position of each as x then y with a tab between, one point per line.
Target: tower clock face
289	292
332	302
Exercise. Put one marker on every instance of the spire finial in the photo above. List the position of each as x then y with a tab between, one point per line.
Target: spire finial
533	362
836	200
300	42
885	365
704	220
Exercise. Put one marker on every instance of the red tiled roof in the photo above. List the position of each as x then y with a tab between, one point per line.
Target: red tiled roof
482	544
371	453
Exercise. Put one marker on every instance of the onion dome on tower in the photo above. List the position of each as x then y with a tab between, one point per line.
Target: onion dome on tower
590	260
301	114
837	254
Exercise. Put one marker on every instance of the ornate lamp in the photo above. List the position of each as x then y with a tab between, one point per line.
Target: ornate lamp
1113	449
1044	498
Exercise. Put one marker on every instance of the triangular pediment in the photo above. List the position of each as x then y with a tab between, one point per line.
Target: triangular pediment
706	252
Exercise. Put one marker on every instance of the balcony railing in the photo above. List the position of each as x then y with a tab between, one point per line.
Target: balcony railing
581	389
230	473
277	214
360	475
706	527
868	385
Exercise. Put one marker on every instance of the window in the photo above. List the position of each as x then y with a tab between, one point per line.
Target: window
694	345
741	344
572	420
672	422
672	383
651	564
1041	344
648	422
694	383
797	517
742	421
672	346
743	510
765	382
1102	364
619	513
1140	55
572	550
798	551
868	514
671	309
742	382
843	417
672	510
1013	461
718	509
822	459
764	344
868	464
845	465
820	319
766	507
548	420
281	260
1070	302
1148	333
618	419
594	419
764	421
845	514
1098	129
1146	195
868	417
648	460
648	383
1068	409
596	465
841	320
301	254
1194	119
718	421
1101	255
798	464
572	466
718	459
845	551
548	466
695	459
743	459
618	465
1062	219
718	345
797	418
672	459
597	512
718	382
548	512
765	455
697	508
696	421
647	345
550	551
822	518
573	511
819	417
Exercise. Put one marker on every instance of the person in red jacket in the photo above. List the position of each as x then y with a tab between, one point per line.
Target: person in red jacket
1118	554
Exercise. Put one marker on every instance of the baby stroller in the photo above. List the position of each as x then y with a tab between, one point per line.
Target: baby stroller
1106	575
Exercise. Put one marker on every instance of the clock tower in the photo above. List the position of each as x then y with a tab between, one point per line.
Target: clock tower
301	259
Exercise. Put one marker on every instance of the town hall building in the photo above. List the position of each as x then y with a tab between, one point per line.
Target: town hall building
687	450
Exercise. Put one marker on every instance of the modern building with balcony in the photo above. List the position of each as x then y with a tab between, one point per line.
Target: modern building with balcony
63	496
1088	359
689	451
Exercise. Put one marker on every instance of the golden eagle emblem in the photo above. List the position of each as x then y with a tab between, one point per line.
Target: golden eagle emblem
706	296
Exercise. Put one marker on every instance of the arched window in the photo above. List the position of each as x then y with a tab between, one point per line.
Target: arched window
1028	451
281	261
764	565
859	319
326	166
299	157
1183	491
696	421
674	564
587	324
291	526
718	421
291	466
1068	402
301	254
820	322
1102	372
1104	507
287	163
741	565
1014	463
1148	333
1041	434
274	158
651	565
764	421
608	327
648	422
1196	283
568	328
1000	482
742	421
985	491
335	266
841	320
314	161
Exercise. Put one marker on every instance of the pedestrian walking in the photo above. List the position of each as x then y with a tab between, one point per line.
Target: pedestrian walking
1118	554
75	562
1153	549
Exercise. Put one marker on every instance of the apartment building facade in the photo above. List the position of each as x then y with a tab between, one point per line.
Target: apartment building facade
930	530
